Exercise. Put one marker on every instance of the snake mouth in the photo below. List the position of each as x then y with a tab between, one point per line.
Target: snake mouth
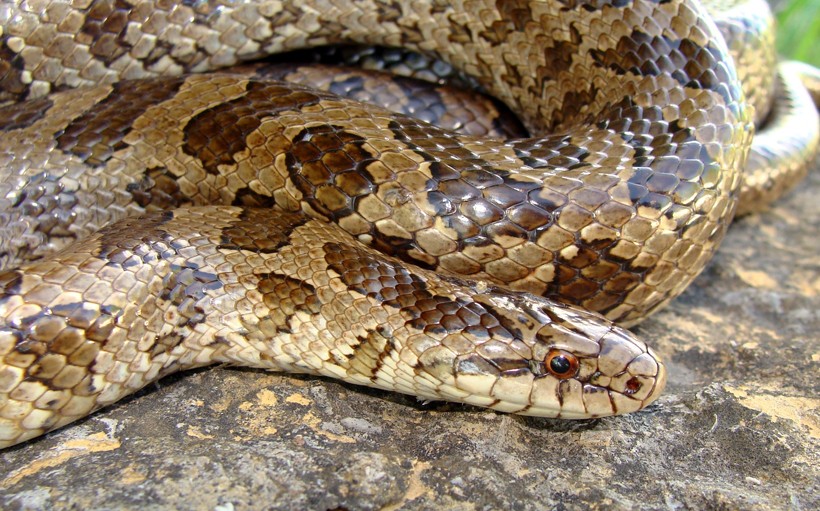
640	384
660	382
633	388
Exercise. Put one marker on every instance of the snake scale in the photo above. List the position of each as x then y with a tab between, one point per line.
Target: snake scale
159	215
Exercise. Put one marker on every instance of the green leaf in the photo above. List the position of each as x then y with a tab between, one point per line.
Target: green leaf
798	31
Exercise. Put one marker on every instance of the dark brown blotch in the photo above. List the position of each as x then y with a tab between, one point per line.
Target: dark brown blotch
22	115
98	133
285	296
289	294
513	17
159	188
559	56
103	30
328	165
215	135
688	63
12	66
370	351
393	285
261	230
117	242
250	198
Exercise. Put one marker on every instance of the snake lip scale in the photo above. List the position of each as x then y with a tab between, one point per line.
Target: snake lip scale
160	213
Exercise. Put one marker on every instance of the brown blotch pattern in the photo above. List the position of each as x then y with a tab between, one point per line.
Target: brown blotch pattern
23	115
369	352
395	286
285	296
103	30
97	134
254	231
117	246
215	135
504	223
12	86
514	16
248	197
328	165
158	188
559	56
684	60
69	334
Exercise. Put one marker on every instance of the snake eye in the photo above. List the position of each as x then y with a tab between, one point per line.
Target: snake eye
562	364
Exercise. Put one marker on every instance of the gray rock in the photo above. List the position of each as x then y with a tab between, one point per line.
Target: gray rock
738	427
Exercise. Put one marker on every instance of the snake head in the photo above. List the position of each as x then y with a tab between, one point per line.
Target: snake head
553	360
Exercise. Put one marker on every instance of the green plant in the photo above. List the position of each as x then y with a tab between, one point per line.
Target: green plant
798	31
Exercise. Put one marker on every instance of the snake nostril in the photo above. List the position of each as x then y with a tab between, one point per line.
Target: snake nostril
633	385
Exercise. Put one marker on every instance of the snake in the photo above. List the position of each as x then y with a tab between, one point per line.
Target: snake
161	211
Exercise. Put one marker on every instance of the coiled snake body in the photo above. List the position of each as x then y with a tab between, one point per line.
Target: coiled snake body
615	211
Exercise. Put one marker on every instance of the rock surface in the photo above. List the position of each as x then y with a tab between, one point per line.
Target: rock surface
738	427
